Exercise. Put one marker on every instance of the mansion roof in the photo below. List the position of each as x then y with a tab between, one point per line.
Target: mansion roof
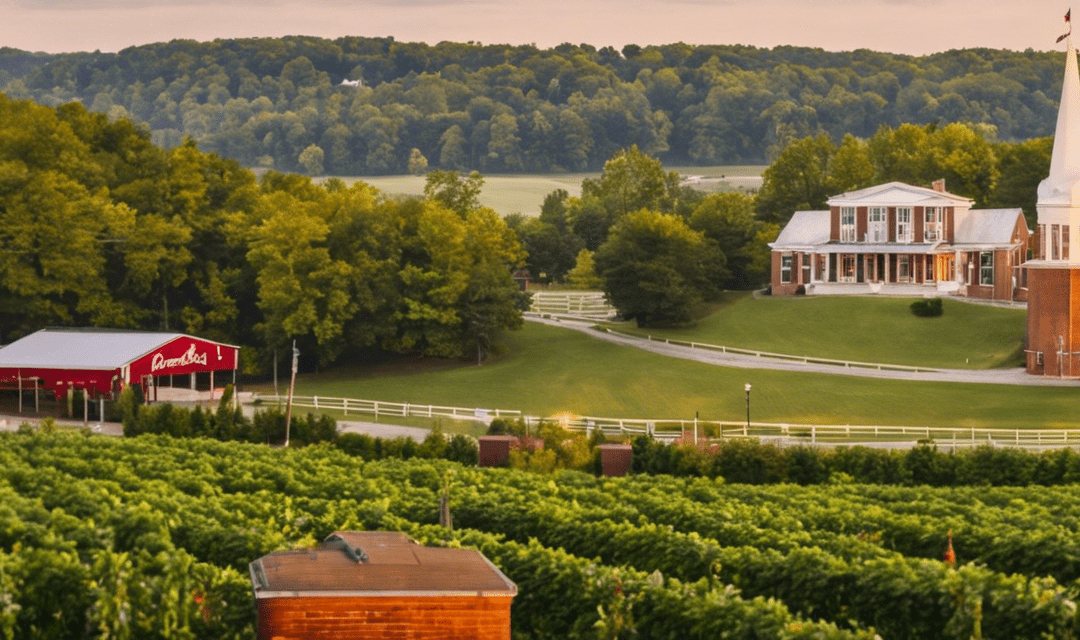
975	229
805	229
898	193
988	227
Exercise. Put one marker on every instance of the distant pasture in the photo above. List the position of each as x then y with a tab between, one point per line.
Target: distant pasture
524	193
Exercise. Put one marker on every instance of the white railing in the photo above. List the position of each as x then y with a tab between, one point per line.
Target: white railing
707	430
586	304
776	356
379	408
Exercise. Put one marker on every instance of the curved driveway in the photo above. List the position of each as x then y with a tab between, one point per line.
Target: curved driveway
1015	376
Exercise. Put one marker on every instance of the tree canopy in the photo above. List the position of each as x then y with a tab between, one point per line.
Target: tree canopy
281	102
98	227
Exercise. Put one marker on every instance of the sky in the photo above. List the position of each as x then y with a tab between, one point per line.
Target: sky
915	27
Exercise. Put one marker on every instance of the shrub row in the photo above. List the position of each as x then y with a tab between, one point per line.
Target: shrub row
752	462
268	427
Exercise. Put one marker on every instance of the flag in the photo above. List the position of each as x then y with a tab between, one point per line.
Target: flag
1067	15
950	555
1068	21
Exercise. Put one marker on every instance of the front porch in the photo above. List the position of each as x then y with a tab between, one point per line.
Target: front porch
909	290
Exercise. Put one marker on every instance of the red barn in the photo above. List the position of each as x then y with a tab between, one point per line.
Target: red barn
371	584
102	361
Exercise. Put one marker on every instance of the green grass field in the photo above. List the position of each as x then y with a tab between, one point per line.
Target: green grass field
544	370
524	193
866	329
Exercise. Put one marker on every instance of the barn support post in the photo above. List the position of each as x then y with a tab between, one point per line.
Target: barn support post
36	409
101	408
211	387
235	391
192	380
20	390
85	406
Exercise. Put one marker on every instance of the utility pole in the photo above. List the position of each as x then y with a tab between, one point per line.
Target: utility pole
292	385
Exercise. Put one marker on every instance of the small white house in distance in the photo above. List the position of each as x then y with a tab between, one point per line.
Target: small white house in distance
899	239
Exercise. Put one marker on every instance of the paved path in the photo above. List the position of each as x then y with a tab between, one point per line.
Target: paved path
1014	376
11	423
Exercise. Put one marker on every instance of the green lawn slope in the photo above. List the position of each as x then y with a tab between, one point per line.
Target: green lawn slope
867	329
543	370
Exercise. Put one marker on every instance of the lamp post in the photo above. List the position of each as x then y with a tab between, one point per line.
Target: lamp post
747	408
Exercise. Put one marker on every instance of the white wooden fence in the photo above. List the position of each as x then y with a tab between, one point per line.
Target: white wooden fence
697	430
779	356
590	305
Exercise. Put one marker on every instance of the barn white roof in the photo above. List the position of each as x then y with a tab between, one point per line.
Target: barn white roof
62	348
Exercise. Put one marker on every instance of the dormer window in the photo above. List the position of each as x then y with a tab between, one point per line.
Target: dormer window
903	224
847	224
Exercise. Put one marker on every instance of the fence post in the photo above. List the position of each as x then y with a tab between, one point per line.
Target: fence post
813	433
316	398
376	411
346	405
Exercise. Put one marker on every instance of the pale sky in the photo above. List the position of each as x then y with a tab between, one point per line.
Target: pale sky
901	26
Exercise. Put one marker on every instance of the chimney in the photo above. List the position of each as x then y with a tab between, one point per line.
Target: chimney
938	185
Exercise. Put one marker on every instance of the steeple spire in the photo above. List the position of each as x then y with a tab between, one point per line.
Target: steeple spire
1062	186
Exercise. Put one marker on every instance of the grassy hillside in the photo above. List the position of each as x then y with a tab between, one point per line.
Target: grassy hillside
544	370
867	329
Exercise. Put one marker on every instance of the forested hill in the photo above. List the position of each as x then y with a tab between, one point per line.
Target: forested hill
280	102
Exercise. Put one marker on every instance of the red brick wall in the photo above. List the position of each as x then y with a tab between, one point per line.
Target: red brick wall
495	451
780	288
616	459
834	224
386	618
947	222
861	215
1053	310
918	222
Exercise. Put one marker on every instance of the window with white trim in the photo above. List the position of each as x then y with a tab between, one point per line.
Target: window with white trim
903	224
785	269
986	268
1064	242
847	224
903	268
1055	242
932	219
847	270
878	228
806	268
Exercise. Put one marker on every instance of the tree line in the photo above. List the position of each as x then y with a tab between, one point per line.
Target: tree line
280	102
99	227
102	228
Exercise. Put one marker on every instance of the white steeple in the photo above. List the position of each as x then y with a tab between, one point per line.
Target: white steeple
1059	194
1061	186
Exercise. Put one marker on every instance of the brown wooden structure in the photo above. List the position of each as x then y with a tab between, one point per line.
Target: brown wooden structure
368	584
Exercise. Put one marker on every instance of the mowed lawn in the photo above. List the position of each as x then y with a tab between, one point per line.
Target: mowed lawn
866	329
544	370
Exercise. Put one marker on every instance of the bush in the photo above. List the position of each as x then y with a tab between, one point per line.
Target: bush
507	427
927	308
